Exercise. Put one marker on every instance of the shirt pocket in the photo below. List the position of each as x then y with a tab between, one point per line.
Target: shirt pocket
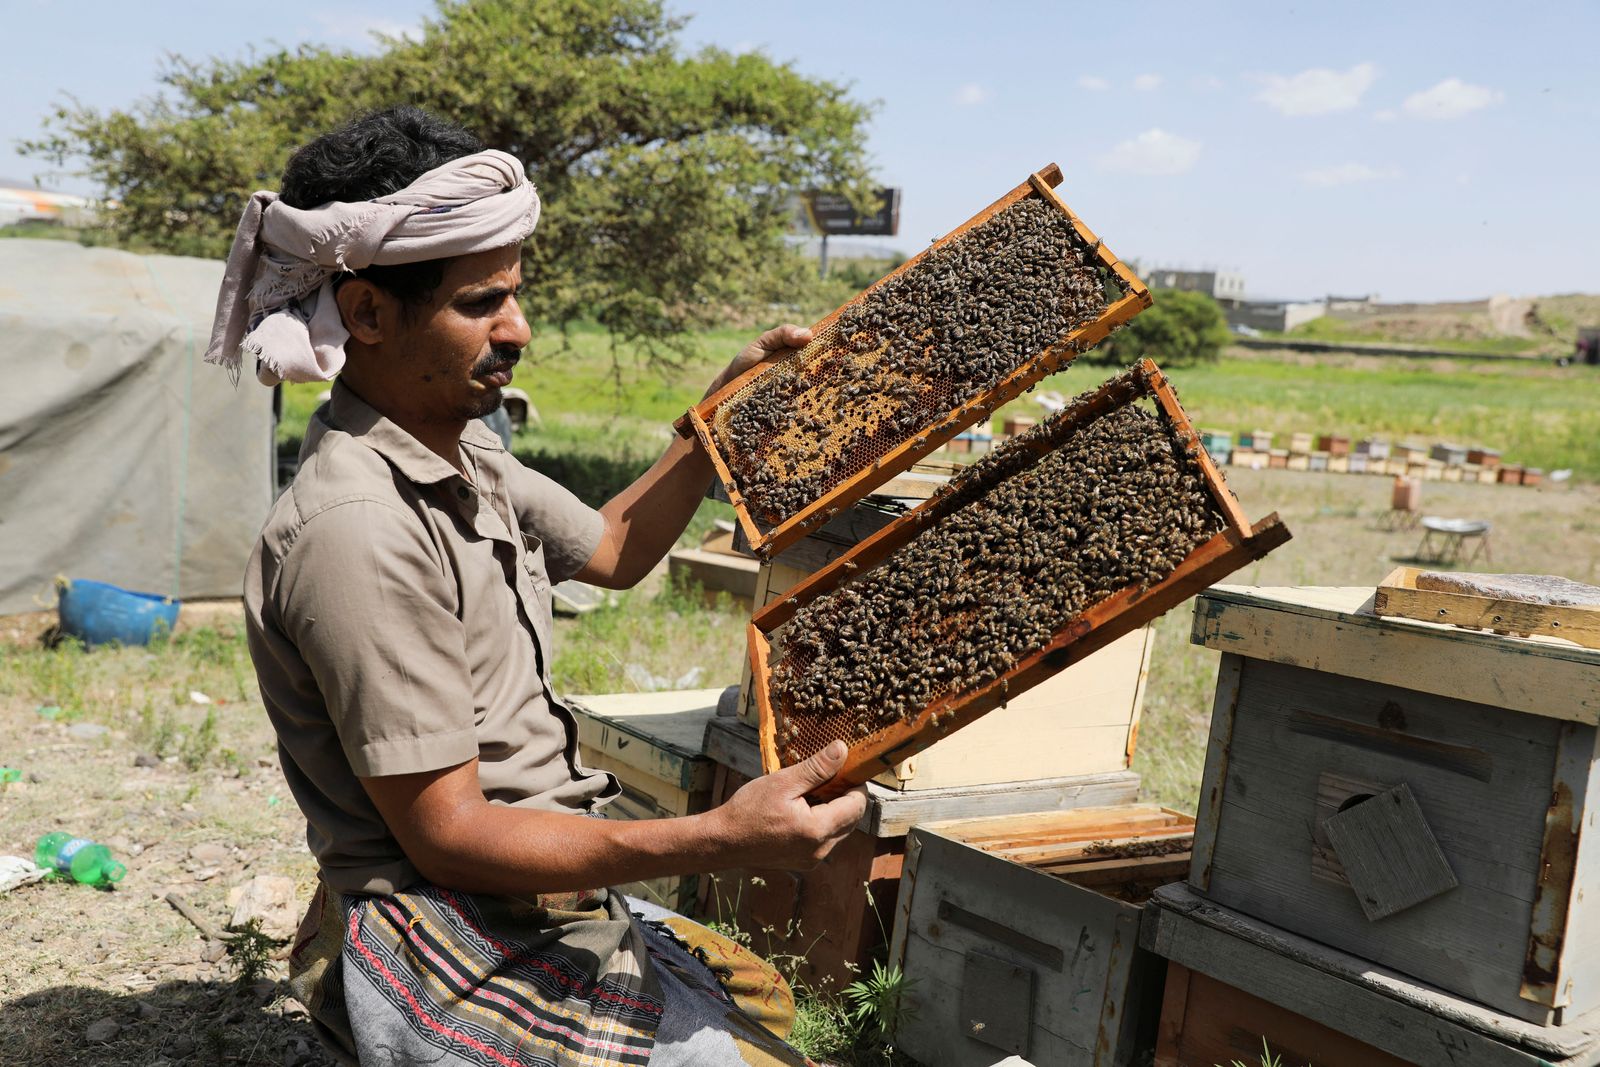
538	577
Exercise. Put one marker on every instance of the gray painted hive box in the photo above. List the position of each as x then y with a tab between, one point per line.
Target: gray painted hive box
654	743
1417	795
1020	935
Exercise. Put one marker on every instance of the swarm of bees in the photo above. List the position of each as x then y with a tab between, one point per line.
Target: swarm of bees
899	360
1016	548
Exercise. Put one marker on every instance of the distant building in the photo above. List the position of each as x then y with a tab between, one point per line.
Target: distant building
1224	287
19	203
1348	304
1274	316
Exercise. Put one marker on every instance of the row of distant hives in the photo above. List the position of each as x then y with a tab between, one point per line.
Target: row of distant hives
1334	453
1329	452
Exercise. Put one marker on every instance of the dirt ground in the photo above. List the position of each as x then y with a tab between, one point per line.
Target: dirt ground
198	810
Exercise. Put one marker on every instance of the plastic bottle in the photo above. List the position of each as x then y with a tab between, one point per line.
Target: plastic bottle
78	858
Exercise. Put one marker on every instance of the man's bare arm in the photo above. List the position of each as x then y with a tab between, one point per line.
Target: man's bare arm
458	840
644	521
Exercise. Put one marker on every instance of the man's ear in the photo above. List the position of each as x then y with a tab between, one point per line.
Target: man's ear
360	306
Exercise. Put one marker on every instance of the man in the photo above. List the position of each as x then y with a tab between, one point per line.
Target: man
398	604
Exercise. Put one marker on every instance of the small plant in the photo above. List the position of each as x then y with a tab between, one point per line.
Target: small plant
1268	1058
877	1004
250	952
201	743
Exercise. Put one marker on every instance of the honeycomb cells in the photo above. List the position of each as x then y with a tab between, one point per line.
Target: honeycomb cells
1026	546
901	358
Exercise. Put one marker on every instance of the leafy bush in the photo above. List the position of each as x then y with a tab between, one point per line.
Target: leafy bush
1181	328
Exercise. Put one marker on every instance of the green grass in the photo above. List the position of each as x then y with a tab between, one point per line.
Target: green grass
1329	328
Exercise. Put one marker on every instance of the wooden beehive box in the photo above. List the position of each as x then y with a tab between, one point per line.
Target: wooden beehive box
1102	621
1205	1023
874	450
654	744
1484	882
835	917
1021	935
1233	980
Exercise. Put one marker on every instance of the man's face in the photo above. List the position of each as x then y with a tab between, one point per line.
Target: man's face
454	354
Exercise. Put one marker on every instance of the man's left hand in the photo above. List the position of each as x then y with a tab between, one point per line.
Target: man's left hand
774	344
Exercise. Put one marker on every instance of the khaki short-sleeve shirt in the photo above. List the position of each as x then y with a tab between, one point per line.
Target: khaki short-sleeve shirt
399	620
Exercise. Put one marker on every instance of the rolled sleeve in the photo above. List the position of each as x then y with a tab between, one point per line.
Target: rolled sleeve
368	603
569	528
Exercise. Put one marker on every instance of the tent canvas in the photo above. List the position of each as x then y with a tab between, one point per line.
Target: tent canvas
123	458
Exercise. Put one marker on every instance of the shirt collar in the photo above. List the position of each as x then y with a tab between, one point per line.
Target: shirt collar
410	457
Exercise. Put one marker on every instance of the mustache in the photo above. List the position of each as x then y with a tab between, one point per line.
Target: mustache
500	357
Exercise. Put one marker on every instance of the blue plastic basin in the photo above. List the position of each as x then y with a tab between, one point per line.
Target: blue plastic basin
98	613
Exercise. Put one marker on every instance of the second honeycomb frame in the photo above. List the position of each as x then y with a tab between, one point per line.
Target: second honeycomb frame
1135	298
1238	543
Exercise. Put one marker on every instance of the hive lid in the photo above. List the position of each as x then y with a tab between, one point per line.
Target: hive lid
1334	629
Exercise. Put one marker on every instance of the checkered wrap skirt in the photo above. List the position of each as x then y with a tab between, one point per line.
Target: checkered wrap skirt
433	976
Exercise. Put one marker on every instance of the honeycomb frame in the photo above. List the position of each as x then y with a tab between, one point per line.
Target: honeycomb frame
1239	542
700	420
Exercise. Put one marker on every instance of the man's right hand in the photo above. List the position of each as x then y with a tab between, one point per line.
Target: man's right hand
770	825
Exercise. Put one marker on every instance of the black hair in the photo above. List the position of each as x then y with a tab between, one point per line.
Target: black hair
373	155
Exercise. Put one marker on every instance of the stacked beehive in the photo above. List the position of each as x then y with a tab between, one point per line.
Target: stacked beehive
1395	841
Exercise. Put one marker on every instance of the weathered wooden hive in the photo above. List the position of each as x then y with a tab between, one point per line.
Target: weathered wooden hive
1020	935
1416	795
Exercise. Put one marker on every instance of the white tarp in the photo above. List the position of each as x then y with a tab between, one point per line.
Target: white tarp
123	458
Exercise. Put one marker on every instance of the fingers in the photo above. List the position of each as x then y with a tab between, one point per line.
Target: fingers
839	815
781	339
819	769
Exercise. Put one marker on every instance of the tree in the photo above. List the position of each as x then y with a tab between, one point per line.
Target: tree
666	177
1180	328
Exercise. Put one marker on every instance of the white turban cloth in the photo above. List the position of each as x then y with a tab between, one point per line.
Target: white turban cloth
276	302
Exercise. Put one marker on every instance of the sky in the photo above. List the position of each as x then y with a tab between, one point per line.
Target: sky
1420	151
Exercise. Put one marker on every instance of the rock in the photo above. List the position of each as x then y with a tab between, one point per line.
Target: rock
87	731
102	1030
182	1045
145	759
209	855
35	777
145	1010
205	874
265	989
272	899
213	951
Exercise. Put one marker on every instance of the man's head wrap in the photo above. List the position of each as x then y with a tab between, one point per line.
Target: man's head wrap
276	303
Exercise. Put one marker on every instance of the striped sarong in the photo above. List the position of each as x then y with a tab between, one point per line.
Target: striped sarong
563	980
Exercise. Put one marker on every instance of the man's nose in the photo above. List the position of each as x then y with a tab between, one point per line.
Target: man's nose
512	327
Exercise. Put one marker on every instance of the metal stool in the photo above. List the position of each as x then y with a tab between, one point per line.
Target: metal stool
1444	540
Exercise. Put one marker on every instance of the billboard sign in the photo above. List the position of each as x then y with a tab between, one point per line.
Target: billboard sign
830	214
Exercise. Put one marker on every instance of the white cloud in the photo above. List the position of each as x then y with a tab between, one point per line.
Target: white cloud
1345	174
1152	152
1388	114
972	94
1318	91
1147	83
357	27
1093	83
1450	99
